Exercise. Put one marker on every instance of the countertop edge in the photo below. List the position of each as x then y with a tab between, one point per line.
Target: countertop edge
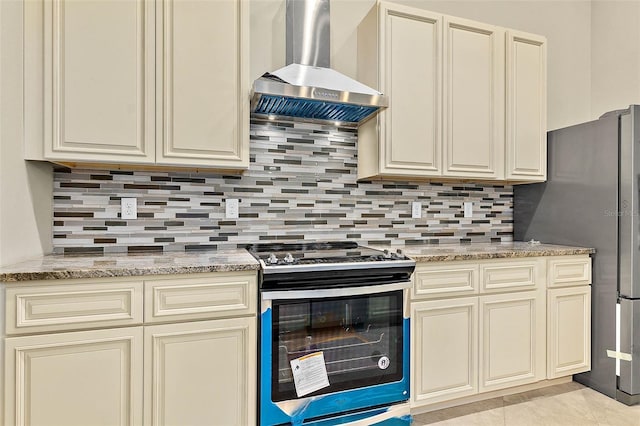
507	254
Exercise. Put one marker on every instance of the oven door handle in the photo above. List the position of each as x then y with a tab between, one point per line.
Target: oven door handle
323	293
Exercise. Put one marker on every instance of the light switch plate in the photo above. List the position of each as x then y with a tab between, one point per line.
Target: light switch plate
468	209
416	210
232	208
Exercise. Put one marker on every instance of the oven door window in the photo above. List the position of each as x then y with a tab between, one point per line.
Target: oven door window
359	336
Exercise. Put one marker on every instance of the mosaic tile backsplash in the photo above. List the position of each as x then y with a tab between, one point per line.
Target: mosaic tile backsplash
301	184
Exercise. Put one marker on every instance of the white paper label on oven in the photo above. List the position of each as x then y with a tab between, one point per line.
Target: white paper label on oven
309	373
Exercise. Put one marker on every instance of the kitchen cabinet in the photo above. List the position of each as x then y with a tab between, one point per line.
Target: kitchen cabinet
569	317
488	325
78	378
177	349
512	337
143	82
201	372
444	343
466	102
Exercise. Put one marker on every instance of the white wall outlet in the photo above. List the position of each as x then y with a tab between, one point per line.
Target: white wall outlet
468	209
128	208
232	208
416	210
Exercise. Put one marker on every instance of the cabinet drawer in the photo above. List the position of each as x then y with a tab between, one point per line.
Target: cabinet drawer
73	306
569	270
510	275
445	279
210	296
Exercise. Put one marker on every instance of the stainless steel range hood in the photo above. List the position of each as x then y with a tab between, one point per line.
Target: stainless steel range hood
307	89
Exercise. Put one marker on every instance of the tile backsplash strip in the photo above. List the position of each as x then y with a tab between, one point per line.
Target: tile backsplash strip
301	184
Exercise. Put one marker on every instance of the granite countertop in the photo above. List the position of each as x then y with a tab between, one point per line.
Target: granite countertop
477	251
52	267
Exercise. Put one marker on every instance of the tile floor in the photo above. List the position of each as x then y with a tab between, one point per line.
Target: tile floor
568	404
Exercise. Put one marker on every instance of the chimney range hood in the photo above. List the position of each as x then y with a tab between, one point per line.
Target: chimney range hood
307	89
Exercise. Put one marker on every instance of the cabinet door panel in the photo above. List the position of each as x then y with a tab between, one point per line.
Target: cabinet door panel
526	144
412	80
201	373
82	378
512	336
473	100
568	331
99	80
203	75
444	354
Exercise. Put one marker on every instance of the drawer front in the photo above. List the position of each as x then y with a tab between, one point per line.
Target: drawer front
214	296
510	275
73	306
569	271
445	279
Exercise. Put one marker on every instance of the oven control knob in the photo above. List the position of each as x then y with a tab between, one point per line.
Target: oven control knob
387	254
288	258
273	260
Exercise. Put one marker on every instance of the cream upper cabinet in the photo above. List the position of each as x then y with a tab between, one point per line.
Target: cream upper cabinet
408	70
203	108
144	82
473	105
81	378
467	100
526	109
98	84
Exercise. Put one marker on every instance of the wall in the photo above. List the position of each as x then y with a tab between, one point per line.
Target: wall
301	184
25	188
615	55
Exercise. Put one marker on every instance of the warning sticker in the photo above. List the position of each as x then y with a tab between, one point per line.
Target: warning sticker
309	373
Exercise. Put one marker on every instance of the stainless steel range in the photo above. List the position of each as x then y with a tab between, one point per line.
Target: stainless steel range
334	337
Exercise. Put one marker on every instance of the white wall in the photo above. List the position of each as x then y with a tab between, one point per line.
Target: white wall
615	55
25	188
566	24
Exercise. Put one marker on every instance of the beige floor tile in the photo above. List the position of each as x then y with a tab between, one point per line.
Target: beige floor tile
493	417
487	409
608	411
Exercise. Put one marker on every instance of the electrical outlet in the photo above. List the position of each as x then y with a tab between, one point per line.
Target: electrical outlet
128	208
468	209
416	210
232	208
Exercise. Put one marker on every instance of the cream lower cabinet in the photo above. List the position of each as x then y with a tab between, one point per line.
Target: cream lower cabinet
512	337
146	82
79	378
490	325
444	357
161	350
200	373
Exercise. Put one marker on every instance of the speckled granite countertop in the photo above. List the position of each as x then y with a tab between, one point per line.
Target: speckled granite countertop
52	267
444	252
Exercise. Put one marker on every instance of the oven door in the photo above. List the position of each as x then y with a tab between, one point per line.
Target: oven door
362	335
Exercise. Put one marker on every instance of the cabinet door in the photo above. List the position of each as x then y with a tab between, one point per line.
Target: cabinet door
526	110
512	339
410	129
473	99
82	378
568	331
202	82
201	373
99	85
444	358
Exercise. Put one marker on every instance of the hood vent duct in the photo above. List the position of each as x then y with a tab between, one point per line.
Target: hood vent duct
307	89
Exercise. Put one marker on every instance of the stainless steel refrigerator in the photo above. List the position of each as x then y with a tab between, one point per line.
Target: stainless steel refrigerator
591	199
